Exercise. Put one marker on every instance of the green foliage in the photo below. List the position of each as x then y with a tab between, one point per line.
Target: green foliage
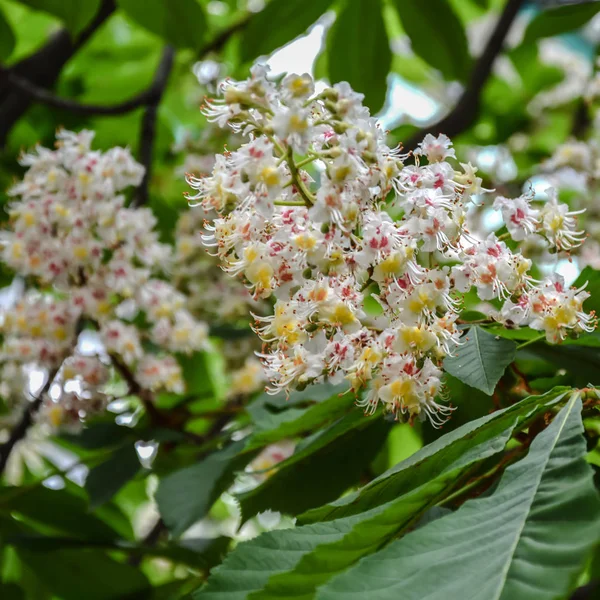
185	496
559	20
7	37
75	14
499	503
327	465
297	562
77	574
432	460
182	23
276	418
203	373
106	479
481	360
520	544
293	18
444	48
358	50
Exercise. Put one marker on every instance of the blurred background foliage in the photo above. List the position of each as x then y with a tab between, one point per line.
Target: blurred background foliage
505	79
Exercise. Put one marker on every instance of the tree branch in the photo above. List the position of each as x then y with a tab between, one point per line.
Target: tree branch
586	592
148	129
40	93
21	428
43	68
466	111
135	388
221	39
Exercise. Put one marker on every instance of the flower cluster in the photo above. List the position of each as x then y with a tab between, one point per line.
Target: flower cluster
553	221
366	257
96	263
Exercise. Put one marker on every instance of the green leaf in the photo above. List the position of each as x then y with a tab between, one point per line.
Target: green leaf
89	574
359	50
179	22
59	510
527	541
436	35
99	435
273	422
322	470
293	563
204	373
582	363
11	591
105	480
522	334
432	459
559	20
195	552
75	14
591	279
278	24
7	37
185	496
481	359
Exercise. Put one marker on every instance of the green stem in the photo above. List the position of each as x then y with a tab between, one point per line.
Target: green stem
289	203
533	341
306	195
307	161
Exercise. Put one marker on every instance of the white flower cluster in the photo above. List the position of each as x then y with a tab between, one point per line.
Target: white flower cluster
95	262
371	227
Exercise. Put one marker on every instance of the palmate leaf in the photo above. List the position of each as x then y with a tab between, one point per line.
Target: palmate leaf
526	541
294	563
481	359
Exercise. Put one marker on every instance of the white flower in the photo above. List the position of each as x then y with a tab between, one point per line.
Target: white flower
559	224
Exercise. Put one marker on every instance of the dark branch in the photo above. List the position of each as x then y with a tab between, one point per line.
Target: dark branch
21	428
221	39
466	111
581	120
40	93
135	388
148	129
43	68
587	592
149	541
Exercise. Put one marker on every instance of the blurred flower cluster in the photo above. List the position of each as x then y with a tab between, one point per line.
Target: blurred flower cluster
90	262
367	256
